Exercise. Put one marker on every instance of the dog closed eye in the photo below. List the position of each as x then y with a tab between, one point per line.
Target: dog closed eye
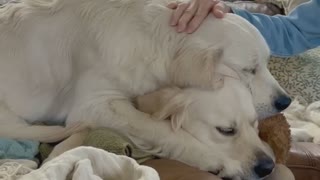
226	131
250	70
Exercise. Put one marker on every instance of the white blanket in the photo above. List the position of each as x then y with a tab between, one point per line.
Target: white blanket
88	163
304	121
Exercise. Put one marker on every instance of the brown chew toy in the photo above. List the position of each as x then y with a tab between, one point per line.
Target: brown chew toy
275	131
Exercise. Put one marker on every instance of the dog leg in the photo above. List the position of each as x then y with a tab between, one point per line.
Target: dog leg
14	127
152	136
71	142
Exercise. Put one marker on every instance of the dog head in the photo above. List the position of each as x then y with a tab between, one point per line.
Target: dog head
224	121
230	47
268	96
249	65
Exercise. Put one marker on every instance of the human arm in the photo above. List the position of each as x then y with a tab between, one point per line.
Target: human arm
288	35
285	35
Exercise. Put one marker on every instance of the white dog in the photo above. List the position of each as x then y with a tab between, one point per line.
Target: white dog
228	135
79	61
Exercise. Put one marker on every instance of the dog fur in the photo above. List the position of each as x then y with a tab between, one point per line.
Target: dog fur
171	102
81	62
202	114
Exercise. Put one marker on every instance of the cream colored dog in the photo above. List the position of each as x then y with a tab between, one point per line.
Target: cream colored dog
230	134
82	62
193	110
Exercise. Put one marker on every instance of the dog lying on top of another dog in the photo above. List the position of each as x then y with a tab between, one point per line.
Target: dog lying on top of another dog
82	62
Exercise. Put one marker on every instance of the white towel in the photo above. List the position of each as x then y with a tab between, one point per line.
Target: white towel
88	163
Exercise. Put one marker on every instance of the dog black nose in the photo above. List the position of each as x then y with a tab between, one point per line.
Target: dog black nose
264	167
282	102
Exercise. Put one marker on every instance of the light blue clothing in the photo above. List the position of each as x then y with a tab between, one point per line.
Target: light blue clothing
292	34
14	149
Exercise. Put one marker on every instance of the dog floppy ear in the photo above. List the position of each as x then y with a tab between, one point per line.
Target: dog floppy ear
177	118
222	71
175	109
168	103
194	65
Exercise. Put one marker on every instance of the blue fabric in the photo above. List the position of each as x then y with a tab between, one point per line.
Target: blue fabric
292	34
14	149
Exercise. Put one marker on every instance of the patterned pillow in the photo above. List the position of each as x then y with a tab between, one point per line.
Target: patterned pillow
299	75
269	8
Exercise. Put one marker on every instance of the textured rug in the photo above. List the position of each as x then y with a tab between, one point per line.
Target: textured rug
299	75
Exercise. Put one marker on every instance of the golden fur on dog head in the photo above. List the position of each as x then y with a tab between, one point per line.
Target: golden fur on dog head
167	103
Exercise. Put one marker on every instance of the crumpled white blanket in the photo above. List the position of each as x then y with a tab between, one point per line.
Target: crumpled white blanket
88	163
304	121
11	169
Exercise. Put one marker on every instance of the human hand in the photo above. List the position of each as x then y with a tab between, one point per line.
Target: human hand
187	17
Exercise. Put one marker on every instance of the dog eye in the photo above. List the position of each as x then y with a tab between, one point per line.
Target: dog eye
226	131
